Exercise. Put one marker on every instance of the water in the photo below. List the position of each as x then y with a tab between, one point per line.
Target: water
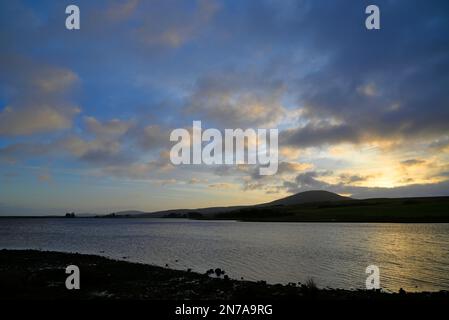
410	256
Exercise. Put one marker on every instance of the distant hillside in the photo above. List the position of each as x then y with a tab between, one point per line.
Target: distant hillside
404	210
299	198
186	213
129	213
308	197
132	214
319	206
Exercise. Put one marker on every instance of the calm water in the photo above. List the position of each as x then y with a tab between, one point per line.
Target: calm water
412	256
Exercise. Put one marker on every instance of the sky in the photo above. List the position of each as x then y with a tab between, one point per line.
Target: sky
86	115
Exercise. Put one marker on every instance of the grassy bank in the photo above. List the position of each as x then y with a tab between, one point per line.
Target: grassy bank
30	274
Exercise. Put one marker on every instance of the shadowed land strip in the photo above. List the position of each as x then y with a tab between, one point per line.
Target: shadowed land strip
40	275
403	210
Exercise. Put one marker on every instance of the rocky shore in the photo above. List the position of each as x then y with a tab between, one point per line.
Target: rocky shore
40	275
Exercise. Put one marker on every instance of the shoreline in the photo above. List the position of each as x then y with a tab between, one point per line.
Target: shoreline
267	220
40	275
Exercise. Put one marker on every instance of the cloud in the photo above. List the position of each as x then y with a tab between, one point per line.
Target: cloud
162	26
356	87
313	135
308	180
110	129
368	90
121	10
249	178
119	145
14	152
196	181
412	162
105	147
37	97
284	168
98	151
152	137
30	119
237	100
221	186
441	144
140	170
346	178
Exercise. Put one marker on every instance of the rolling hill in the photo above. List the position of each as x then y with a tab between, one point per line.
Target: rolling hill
316	196
308	197
320	206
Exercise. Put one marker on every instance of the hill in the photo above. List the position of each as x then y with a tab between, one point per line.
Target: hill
187	213
319	206
308	197
299	198
404	210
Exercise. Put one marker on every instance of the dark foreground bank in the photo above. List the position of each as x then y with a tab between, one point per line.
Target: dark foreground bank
31	274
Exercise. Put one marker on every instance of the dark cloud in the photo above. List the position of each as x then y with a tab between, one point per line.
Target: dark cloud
308	180
315	135
151	137
24	150
252	172
383	84
412	162
105	157
346	178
